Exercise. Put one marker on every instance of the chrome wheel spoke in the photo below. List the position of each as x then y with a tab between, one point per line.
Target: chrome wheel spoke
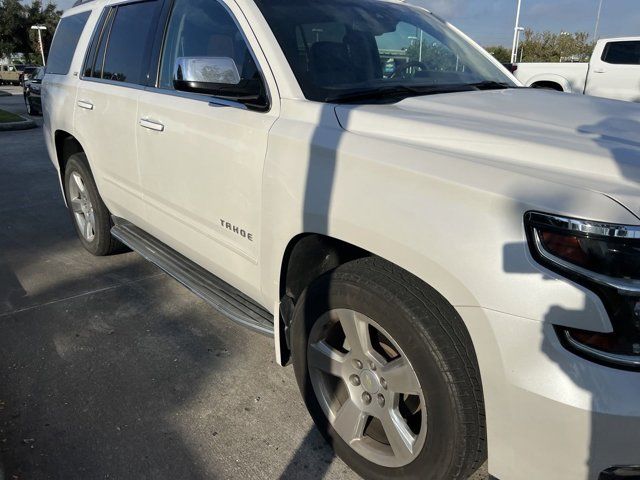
356	330
350	422
78	181
400	377
323	357
400	437
88	229
76	205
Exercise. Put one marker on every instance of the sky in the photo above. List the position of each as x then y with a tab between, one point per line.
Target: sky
491	22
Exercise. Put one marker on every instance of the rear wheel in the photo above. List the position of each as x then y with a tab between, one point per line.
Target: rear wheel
388	373
89	213
28	106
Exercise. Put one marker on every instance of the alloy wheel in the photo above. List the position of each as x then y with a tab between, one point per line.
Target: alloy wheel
82	207
367	388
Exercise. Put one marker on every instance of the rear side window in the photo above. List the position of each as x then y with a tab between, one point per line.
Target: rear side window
121	43
64	43
622	53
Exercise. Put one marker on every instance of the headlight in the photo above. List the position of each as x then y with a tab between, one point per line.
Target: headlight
606	259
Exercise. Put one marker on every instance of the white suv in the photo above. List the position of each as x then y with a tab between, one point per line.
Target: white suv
450	261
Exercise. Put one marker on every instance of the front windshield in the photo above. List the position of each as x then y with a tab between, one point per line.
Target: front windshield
340	47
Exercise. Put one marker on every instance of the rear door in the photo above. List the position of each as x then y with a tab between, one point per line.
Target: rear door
616	72
115	72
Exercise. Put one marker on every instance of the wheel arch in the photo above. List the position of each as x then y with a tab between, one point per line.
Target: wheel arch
310	255
559	80
66	145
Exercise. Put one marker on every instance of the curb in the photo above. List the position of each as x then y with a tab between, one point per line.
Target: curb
25	124
5	94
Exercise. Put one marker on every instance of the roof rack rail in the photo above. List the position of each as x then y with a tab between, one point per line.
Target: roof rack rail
80	2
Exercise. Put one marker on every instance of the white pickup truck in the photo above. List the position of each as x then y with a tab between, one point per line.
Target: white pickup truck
613	72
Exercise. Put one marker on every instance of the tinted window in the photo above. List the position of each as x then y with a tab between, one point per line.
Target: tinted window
64	43
95	56
205	29
127	43
622	53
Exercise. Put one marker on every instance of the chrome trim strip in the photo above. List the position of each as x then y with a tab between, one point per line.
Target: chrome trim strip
586	227
211	100
622	360
624	287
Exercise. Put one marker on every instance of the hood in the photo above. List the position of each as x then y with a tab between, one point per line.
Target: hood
576	140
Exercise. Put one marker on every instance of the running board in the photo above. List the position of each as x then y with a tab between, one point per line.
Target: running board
220	295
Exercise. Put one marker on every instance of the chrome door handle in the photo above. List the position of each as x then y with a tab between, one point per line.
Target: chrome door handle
86	105
151	125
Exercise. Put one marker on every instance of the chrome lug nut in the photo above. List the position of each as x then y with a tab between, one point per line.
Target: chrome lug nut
357	364
383	382
381	400
366	398
372	366
355	380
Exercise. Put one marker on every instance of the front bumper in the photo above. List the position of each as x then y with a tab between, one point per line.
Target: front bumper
551	414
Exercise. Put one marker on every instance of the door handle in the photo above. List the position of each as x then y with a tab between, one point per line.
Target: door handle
599	70
86	105
151	125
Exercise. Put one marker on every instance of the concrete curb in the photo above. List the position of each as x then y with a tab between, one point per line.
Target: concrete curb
25	124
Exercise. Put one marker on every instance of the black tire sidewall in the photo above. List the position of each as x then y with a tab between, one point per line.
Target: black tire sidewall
378	302
100	245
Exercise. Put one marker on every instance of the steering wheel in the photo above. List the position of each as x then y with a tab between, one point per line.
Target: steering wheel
405	66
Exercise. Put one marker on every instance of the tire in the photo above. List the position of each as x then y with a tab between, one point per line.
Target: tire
405	320
87	204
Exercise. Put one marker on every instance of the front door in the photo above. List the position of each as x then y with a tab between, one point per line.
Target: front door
616	74
201	156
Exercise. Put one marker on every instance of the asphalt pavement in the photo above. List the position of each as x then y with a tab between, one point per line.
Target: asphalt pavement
111	369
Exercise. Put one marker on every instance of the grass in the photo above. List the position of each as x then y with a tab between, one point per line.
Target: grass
6	117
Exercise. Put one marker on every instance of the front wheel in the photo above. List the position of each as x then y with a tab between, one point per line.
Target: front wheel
389	375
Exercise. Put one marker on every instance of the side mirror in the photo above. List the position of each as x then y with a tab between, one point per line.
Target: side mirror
205	74
219	77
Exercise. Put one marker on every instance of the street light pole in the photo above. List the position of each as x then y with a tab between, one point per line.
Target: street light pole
516	35
39	28
595	33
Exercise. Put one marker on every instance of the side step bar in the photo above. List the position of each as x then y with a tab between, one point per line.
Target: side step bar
220	295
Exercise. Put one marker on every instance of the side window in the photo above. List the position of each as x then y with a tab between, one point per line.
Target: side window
205	52
119	51
622	53
64	43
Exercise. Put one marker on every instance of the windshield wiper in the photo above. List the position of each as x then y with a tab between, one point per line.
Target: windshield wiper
395	93
491	85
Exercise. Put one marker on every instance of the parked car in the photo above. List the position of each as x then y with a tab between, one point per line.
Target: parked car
28	72
31	91
9	74
449	261
613	72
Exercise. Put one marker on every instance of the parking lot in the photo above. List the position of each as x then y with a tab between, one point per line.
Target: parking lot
111	369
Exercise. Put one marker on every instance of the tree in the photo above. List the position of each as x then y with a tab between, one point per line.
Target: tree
556	47
502	54
16	35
